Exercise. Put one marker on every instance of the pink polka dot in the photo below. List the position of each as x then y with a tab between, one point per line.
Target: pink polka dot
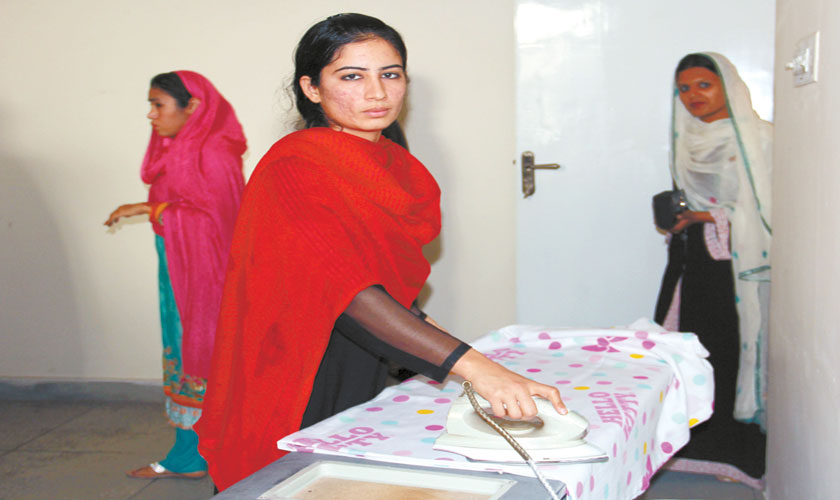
604	382
591	483
666	447
555	345
579	489
515	340
374	408
403	453
629	477
533	370
615	450
641	335
644	418
442	401
648	344
640	377
596	359
576	365
400	399
563	382
623	389
544	336
543	361
445	459
434	427
591	426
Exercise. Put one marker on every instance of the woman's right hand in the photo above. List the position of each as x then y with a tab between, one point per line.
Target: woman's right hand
689	217
128	210
507	392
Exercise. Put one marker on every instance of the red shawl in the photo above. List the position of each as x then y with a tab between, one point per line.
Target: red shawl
199	175
325	215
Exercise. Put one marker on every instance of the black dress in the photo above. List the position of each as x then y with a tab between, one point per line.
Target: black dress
707	308
374	329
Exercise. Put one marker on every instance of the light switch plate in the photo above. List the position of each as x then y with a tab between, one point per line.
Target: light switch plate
806	60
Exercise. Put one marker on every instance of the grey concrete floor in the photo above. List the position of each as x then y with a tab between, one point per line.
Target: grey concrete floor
80	450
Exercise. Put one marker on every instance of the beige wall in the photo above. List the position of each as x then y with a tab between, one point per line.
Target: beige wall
804	412
77	301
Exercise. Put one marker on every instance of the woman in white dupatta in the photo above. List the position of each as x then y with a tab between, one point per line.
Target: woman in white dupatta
717	280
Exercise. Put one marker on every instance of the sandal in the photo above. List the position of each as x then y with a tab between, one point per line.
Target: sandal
155	471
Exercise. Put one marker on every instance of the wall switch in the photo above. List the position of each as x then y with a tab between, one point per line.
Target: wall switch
805	60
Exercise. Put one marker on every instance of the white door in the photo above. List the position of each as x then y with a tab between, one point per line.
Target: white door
593	85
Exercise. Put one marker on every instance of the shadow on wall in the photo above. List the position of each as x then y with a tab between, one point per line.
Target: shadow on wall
425	144
38	310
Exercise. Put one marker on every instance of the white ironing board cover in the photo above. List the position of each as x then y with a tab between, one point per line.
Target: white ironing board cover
641	388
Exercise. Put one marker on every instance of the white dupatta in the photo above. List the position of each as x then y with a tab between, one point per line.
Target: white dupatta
738	149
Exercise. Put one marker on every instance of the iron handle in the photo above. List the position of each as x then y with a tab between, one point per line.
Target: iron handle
528	167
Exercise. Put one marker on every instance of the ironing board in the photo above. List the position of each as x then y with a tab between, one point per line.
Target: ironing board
640	387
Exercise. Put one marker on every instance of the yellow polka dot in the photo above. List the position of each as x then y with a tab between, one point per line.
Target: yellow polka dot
692	422
582	388
661	395
637	356
644	449
425	412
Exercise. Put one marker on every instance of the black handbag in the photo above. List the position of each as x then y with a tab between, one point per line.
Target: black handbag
666	206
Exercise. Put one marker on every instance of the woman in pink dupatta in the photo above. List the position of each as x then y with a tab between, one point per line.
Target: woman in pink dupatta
193	165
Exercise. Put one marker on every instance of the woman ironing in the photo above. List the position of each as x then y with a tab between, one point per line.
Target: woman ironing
327	263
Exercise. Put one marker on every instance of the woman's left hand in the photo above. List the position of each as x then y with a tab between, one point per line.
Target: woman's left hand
128	210
507	392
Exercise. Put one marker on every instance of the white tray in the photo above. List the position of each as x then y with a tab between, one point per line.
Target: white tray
490	488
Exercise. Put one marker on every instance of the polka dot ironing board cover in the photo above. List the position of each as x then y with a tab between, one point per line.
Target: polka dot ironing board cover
640	387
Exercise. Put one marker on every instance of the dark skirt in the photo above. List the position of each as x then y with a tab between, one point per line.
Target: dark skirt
707	308
350	373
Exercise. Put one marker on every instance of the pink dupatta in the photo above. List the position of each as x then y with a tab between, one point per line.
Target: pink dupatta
199	174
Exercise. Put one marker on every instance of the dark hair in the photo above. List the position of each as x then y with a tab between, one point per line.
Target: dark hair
318	48
696	61
172	84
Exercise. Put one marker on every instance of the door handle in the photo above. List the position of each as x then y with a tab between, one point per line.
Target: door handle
528	167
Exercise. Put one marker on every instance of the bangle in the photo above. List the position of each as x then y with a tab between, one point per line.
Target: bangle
157	211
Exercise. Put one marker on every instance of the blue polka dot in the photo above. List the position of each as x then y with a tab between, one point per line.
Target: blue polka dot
687	336
621	365
347	420
734	255
737	299
636	454
519	346
745	346
678	418
678	358
599	374
447	390
559	354
644	386
606	491
390	422
561	373
764	254
428	440
699	379
511	363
